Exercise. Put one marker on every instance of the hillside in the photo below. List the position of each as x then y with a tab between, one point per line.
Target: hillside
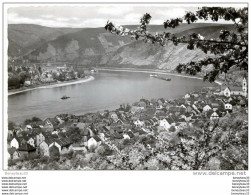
95	46
168	57
26	37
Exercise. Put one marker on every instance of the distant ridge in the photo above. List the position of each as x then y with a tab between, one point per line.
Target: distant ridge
95	46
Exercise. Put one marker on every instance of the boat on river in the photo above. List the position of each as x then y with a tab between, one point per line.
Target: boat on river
64	97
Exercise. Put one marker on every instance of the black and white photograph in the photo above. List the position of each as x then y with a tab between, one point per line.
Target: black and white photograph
126	87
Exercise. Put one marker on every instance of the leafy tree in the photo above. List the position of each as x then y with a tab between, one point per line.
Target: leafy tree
36	119
40	70
27	121
14	81
22	75
230	48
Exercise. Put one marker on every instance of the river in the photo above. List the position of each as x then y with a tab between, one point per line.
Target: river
107	91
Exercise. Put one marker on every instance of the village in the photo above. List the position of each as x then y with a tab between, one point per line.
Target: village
32	75
65	133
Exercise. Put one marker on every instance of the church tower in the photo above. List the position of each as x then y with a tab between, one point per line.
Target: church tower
244	87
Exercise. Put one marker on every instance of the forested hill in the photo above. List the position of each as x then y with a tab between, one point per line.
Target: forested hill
95	46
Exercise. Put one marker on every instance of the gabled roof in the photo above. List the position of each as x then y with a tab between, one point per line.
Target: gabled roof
96	138
63	142
49	141
53	121
17	138
181	120
26	147
170	120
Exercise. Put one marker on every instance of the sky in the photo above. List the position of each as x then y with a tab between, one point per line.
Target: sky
90	15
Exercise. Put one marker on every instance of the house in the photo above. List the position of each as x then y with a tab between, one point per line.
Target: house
64	145
189	109
188	117
44	147
142	105
138	123
228	106
163	124
10	133
17	130
93	142
126	136
226	91
78	147
50	124
15	143
195	108
61	121
26	150
28	128
161	101
206	108
14	153
113	116
40	138
187	96
214	116
31	141
182	121
54	151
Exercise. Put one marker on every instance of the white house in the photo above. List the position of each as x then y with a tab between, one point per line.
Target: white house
14	143
228	106
31	141
163	123
227	92
44	148
187	96
40	138
114	116
92	143
214	116
206	108
126	136
138	123
28	127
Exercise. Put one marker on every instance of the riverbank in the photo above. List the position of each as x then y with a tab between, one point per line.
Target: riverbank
53	85
151	71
